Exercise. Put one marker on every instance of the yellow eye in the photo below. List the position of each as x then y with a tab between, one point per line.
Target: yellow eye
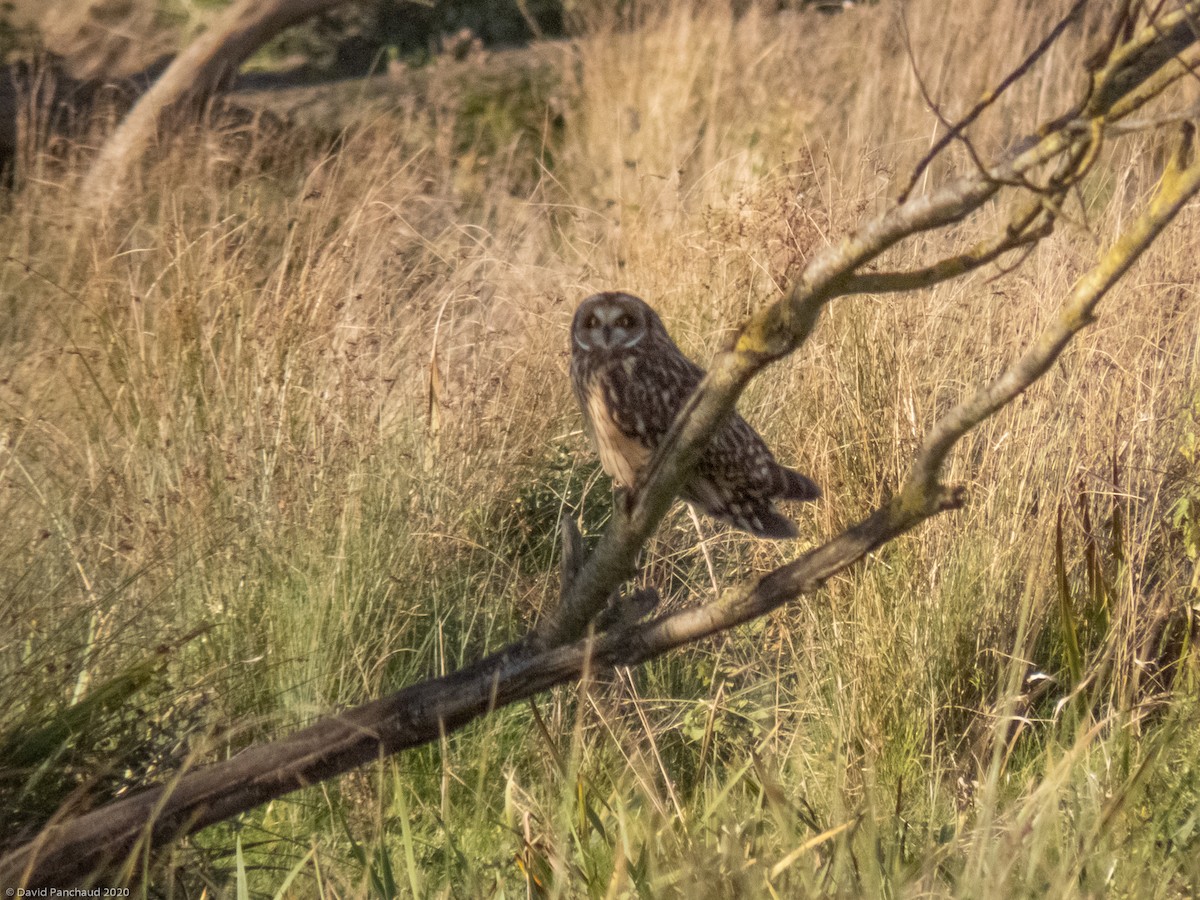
591	321
626	321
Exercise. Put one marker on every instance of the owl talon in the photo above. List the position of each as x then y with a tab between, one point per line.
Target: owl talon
627	498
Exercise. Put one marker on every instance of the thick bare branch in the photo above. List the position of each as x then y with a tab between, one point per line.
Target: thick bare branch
1132	64
1178	185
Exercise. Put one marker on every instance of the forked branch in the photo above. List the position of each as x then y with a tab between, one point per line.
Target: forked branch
1159	53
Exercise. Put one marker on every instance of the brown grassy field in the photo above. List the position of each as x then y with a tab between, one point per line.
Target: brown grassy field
292	428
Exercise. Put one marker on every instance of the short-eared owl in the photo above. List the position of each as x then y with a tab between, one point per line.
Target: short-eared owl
631	380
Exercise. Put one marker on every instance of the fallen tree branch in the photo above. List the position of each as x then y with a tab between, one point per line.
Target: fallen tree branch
567	643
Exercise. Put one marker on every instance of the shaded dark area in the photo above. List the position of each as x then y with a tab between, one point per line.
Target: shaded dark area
41	102
361	38
62	755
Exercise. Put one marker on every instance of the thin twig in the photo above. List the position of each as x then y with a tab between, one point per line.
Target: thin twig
956	129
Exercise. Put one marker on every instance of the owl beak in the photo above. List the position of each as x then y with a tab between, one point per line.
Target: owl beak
607	331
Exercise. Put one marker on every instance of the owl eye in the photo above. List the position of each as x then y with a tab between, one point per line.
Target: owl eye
626	321
591	322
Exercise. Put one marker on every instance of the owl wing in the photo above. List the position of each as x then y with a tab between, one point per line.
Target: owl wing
631	406
738	481
646	392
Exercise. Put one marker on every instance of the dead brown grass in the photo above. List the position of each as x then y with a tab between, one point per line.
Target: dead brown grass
319	407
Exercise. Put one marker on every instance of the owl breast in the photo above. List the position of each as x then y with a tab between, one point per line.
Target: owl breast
621	455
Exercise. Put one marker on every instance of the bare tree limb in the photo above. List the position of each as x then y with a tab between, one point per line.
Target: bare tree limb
1131	64
567	644
1025	228
955	131
1178	185
191	78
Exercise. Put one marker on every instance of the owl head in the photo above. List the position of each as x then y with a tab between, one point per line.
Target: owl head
614	321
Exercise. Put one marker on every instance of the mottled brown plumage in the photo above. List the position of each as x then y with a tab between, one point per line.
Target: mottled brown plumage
631	381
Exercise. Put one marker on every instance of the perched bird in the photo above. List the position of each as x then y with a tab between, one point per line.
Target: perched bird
631	380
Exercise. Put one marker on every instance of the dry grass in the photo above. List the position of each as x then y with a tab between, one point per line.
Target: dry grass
238	495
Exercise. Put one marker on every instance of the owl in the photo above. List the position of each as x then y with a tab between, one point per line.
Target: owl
631	380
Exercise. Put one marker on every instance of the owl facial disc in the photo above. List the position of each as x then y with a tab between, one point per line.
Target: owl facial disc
609	321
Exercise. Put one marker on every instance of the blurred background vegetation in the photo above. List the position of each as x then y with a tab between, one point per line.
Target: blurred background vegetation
291	428
118	37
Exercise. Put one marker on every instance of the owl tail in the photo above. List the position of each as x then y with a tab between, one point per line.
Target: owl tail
766	522
797	486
